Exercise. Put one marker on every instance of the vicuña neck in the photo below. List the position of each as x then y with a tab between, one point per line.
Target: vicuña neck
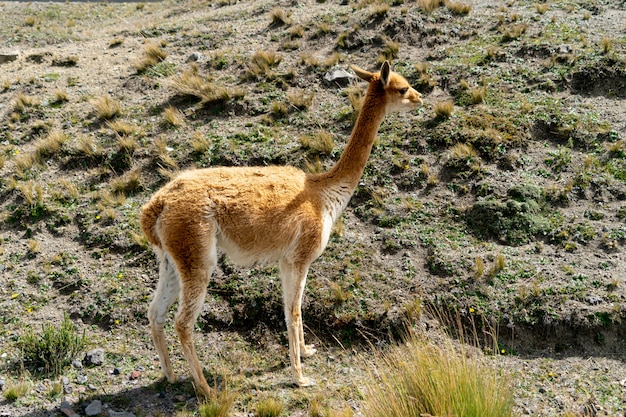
349	169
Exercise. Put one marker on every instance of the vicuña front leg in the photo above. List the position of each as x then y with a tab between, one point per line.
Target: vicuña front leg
165	295
293	281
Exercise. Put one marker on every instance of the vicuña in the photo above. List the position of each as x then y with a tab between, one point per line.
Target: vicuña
257	214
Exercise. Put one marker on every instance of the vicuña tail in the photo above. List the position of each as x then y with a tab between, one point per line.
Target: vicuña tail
150	214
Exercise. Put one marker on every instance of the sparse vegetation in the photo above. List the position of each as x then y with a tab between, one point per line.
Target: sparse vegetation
53	348
420	378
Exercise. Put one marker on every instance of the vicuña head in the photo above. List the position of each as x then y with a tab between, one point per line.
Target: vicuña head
256	214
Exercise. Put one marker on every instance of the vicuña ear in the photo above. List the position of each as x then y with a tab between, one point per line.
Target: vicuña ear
384	73
364	75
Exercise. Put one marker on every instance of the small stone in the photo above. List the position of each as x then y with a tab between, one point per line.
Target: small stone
92	387
134	375
81	379
94	408
65	380
180	398
78	364
3	383
116	371
94	357
195	57
68	389
67	409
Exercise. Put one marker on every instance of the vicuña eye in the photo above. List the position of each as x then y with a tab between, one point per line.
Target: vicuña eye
403	91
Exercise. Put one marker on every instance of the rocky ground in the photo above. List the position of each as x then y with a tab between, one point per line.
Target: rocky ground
506	211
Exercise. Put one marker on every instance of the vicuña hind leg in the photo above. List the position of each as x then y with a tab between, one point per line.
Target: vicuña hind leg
293	281
165	294
194	283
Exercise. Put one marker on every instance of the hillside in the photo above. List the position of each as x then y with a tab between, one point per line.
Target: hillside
502	200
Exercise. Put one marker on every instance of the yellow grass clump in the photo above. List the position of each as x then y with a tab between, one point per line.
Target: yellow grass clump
424	378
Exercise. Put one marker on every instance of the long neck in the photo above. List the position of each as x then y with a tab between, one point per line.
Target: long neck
349	169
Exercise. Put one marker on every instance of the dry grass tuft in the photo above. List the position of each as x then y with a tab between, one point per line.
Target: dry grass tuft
321	143
513	31
457	8
22	102
153	54
478	94
123	128
269	407
44	148
191	84
300	99
129	183
218	405
262	63
279	17
428	6
443	109
199	143
173	117
356	97
88	147
424	378
389	51
106	108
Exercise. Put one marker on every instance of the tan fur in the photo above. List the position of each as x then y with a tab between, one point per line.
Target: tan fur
256	214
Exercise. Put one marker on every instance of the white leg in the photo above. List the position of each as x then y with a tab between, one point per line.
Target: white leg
164	296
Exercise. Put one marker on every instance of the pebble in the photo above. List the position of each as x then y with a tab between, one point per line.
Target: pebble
78	364
67	409
94	357
3	383
116	371
195	57
134	375
81	379
94	408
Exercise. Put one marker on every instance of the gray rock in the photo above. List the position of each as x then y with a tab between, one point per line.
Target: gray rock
94	408
339	76
195	57
94	357
77	364
67	409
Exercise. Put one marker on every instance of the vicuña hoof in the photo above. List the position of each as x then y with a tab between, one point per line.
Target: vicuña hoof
307	351
306	382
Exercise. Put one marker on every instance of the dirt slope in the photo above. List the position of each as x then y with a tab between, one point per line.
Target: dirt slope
508	212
